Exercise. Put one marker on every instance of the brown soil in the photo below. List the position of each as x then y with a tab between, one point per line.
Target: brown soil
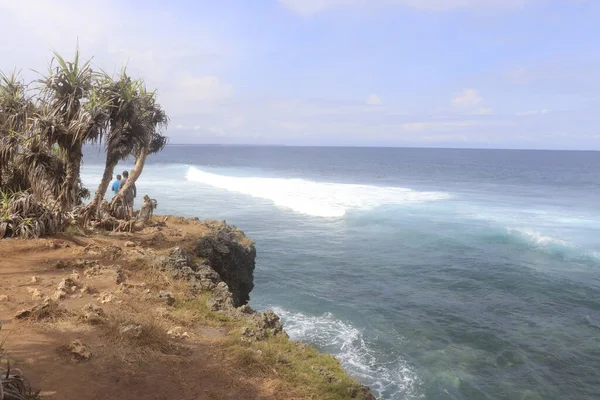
191	368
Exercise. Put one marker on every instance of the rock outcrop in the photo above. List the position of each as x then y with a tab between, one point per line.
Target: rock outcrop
232	255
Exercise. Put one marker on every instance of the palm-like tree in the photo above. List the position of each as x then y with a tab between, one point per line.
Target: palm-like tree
148	123
72	115
14	110
123	98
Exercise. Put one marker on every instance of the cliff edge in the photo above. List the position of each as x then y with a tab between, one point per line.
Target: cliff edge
158	314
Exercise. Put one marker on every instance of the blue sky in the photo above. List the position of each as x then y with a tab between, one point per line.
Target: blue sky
427	73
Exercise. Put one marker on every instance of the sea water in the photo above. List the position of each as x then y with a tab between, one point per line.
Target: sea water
430	274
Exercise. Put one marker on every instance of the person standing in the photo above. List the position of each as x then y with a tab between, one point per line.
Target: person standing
129	195
115	185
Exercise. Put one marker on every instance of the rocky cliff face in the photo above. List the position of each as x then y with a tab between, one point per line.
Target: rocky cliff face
222	261
231	255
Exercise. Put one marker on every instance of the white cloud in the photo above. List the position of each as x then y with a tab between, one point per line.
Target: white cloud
374	100
438	126
312	7
532	112
469	101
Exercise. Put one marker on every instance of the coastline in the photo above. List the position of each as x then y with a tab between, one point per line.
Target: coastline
177	289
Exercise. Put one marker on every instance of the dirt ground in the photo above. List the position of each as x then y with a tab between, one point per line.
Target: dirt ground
191	368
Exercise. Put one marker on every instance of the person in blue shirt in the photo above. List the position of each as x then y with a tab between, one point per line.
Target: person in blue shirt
115	185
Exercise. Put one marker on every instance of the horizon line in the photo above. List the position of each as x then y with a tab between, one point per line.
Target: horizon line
378	147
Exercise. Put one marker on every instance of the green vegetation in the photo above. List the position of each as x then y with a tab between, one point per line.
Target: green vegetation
43	128
302	370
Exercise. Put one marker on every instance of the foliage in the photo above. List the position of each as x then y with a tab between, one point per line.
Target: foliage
43	128
22	215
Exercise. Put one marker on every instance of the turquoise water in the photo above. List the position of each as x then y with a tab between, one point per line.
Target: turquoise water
431	274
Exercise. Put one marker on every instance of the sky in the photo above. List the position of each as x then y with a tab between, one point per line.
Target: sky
418	73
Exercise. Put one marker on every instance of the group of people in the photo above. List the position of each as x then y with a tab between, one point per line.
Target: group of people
128	195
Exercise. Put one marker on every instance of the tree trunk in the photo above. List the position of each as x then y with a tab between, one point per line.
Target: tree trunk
135	173
70	192
105	182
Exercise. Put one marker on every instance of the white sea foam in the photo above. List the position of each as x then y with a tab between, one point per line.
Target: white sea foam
538	239
319	199
387	378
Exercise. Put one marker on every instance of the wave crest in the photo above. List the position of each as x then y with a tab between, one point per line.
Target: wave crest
319	199
554	246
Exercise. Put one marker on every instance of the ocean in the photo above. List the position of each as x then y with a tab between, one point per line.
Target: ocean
430	273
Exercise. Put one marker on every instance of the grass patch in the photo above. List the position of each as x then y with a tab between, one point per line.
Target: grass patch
196	311
50	311
302	370
137	334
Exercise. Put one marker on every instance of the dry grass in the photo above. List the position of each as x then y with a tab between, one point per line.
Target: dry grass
139	335
50	311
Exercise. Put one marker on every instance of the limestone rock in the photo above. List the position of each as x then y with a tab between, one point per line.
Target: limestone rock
93	313
178	333
4	297
119	275
167	297
35	293
261	325
232	255
129	243
60	294
68	285
23	314
221	298
179	265
130	329
34	280
79	351
106	297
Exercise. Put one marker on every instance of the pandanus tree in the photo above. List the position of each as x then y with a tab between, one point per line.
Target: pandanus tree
72	114
14	110
148	126
124	100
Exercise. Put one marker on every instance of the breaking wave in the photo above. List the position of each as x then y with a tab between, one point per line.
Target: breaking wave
552	245
319	199
388	376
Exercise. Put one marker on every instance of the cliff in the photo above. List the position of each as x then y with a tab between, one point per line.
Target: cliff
159	314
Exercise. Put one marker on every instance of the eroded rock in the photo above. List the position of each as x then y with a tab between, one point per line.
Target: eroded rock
178	333
93	314
35	293
79	351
